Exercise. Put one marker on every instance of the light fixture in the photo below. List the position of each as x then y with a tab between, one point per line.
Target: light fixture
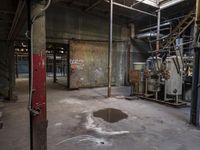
149	2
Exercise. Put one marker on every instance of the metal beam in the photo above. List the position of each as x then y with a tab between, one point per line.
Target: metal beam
158	31
54	66
18	21
149	2
164	4
110	50
93	5
7	12
154	27
133	9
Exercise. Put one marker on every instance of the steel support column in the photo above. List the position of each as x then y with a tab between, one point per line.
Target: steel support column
38	117
195	105
16	65
54	66
129	61
110	50
158	31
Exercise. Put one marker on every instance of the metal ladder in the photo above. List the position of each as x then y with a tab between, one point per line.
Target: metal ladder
178	30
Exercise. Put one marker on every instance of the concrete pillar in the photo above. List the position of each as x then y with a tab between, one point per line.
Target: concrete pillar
195	105
6	74
38	117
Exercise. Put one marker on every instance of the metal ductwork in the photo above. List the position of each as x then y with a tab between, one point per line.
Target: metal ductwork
154	27
147	35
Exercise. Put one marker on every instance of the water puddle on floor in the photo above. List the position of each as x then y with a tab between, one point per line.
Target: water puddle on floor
110	115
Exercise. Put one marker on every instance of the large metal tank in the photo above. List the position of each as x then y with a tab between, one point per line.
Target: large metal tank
173	86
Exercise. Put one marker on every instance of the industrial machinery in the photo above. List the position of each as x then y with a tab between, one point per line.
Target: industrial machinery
166	70
173	84
152	76
164	80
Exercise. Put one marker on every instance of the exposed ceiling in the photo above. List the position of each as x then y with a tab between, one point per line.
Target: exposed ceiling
11	21
7	13
177	8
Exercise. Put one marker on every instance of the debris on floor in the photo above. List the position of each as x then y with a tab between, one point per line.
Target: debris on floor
132	98
91	125
86	138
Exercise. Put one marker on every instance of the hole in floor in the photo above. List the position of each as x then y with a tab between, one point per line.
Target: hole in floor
110	115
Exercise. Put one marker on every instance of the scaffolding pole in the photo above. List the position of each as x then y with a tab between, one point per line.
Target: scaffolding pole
110	50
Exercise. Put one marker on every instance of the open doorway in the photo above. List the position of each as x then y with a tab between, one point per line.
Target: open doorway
57	63
57	60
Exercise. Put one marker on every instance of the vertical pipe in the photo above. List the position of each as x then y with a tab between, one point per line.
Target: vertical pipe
47	64
68	66
129	61
28	4
38	78
110	49
158	45
54	66
16	65
158	32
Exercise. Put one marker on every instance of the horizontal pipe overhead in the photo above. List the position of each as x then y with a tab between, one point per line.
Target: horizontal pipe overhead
134	9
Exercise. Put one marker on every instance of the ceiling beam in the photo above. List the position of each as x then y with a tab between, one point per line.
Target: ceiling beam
169	3
93	5
7	12
133	9
149	2
18	21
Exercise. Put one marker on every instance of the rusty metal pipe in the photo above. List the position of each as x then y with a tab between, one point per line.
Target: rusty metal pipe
158	31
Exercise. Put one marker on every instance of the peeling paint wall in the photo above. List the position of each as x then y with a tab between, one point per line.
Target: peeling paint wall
64	24
89	64
120	68
88	37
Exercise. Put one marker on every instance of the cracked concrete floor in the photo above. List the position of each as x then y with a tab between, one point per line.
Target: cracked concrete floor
71	126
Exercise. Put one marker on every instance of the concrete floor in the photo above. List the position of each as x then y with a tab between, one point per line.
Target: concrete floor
149	126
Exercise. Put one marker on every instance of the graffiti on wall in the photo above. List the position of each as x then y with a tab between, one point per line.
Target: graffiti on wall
76	64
